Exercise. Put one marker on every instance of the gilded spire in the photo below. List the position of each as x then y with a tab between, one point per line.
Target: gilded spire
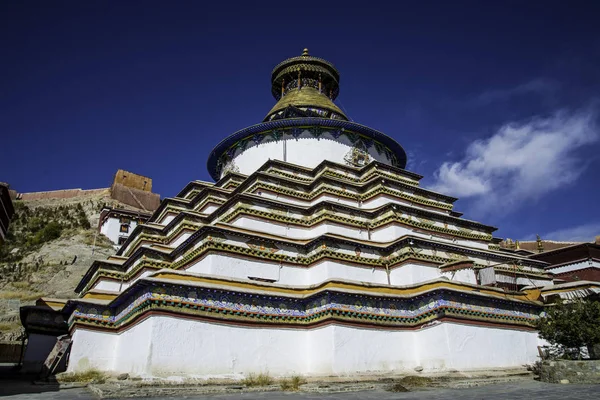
305	52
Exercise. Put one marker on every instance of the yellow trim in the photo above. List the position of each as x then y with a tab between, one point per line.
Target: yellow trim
162	239
54	304
100	296
533	294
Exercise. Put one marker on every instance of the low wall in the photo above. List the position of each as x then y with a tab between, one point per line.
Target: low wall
133	197
568	371
60	194
10	352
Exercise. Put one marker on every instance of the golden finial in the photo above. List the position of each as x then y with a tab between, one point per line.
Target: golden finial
540	244
305	52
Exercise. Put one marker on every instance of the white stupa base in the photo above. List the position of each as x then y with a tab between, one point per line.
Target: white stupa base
164	346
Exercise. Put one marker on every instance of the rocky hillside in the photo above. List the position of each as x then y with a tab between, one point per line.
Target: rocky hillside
50	245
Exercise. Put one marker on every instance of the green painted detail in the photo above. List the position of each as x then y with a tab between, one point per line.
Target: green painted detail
324	188
396	256
327	215
373	173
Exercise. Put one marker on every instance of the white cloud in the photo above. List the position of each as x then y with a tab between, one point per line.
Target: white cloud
582	233
535	86
521	162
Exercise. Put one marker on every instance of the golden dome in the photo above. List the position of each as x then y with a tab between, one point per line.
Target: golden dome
305	97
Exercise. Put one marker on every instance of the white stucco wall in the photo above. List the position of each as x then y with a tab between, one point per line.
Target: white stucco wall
166	219
381	200
301	202
109	285
465	347
137	344
179	239
305	150
413	273
237	267
168	346
575	266
208	209
94	350
118	286
466	275
111	228
387	233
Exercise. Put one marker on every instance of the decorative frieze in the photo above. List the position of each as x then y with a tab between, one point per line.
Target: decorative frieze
401	311
357	139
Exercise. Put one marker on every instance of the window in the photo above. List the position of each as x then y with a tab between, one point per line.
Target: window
122	240
124	228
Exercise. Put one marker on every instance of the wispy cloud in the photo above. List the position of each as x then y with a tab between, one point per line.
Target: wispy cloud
415	159
581	233
521	161
539	86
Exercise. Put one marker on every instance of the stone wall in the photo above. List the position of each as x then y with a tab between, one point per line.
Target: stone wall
568	371
133	181
10	352
134	197
60	194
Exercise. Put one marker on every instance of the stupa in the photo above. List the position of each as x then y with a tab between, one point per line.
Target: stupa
313	252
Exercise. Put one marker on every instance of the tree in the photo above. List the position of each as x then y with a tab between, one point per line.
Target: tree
571	325
49	232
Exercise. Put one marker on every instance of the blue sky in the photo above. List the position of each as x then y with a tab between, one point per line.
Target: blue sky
495	102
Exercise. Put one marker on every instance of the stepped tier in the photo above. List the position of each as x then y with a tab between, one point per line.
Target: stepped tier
241	253
211	204
250	235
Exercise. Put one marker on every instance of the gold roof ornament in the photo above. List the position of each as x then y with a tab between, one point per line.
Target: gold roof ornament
540	244
307	83
307	97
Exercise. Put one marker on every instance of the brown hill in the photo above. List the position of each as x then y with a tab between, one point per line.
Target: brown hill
50	245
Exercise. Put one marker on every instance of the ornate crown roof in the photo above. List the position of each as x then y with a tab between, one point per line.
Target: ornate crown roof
306	84
308	67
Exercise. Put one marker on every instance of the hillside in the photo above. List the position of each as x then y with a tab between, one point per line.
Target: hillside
50	245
